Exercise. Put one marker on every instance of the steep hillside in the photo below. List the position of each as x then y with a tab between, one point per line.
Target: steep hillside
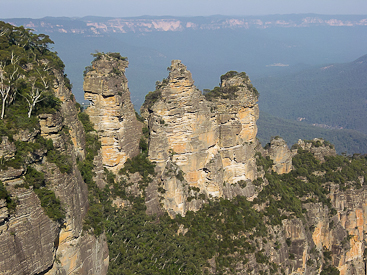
44	200
223	203
331	96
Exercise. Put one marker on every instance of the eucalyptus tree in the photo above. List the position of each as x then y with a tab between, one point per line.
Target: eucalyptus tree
27	67
10	73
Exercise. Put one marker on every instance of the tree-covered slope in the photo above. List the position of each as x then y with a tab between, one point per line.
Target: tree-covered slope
239	236
349	141
333	95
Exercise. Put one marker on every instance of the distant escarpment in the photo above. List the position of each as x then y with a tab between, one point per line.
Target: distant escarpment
102	25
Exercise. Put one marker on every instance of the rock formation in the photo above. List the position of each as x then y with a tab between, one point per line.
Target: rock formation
279	152
111	110
204	147
318	147
30	242
209	145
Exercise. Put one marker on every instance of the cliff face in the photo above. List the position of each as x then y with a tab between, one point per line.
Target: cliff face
111	110
30	242
201	148
204	147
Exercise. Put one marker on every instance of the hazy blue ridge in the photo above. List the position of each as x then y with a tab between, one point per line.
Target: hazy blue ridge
349	141
332	94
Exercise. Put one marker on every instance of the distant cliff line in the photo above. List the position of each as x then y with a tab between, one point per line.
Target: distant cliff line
101	25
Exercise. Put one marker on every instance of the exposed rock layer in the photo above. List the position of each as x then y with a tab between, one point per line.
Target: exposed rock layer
30	242
111	110
212	143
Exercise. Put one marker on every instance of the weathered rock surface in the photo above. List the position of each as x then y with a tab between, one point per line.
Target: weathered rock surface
111	110
30	242
236	119
279	152
203	147
318	147
212	143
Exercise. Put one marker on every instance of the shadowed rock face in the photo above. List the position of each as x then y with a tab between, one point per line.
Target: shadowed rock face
111	111
211	142
27	239
30	242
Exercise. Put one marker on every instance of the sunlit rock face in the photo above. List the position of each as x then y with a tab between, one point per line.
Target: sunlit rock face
111	110
281	155
211	142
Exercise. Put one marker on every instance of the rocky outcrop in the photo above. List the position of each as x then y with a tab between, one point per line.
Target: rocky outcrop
236	117
280	154
210	144
78	252
318	147
111	110
30	242
203	146
28	239
341	235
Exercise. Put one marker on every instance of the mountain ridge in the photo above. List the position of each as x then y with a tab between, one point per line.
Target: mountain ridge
100	25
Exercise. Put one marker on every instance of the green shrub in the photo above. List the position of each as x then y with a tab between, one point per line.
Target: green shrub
84	119
180	175
63	162
94	220
151	98
10	203
222	92
51	204
139	117
140	164
266	162
35	178
330	270
261	258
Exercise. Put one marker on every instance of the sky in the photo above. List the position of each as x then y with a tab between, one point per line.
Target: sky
126	8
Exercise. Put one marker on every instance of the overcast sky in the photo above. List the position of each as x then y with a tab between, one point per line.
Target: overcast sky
124	8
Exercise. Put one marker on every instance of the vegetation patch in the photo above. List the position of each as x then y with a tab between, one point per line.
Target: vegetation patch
62	161
151	98
232	74
221	92
51	204
94	220
4	195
